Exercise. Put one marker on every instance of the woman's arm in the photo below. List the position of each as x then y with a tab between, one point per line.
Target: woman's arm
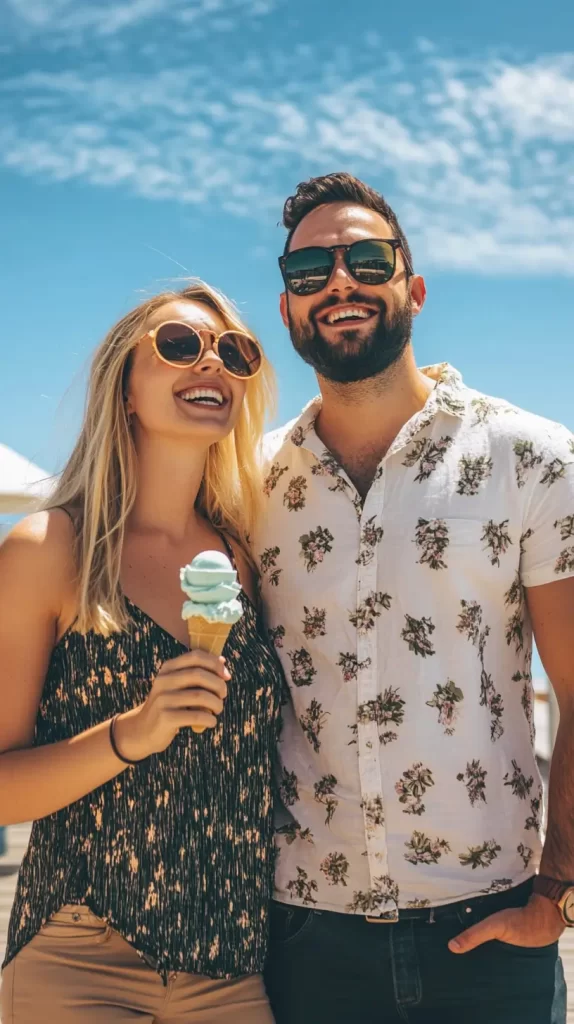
36	597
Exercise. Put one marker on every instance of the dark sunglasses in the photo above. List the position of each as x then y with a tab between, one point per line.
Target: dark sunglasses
178	344
371	261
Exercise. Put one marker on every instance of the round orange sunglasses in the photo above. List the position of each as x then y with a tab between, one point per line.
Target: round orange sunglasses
180	345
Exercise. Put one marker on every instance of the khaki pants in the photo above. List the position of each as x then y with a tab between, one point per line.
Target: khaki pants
78	970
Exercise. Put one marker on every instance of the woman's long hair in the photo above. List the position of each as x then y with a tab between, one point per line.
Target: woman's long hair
99	481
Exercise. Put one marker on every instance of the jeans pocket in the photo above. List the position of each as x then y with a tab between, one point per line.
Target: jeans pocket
75	923
526	951
289	924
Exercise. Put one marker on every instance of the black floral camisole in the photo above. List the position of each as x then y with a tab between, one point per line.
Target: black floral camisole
176	853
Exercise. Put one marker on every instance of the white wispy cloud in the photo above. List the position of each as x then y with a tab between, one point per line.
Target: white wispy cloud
66	18
476	154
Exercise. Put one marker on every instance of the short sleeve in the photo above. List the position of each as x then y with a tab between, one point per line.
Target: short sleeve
548	529
273	441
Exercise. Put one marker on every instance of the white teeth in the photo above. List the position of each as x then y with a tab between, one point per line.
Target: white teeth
350	312
205	396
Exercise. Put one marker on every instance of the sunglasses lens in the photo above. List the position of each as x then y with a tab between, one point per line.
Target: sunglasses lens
178	344
308	270
239	353
371	261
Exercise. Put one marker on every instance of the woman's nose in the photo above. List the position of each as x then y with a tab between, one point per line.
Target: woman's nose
210	362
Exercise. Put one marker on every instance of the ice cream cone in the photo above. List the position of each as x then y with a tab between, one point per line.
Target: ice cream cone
212	589
206	636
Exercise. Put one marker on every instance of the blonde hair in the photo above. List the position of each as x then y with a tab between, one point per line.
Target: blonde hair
98	483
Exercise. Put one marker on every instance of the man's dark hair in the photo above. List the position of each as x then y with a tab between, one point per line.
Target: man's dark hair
338	188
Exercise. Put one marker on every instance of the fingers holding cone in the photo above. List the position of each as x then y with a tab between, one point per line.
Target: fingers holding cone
206	636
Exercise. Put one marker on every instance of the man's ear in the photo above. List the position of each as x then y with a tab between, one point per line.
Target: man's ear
283	309
418	290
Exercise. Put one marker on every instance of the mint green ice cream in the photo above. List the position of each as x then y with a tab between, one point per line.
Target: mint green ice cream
210	583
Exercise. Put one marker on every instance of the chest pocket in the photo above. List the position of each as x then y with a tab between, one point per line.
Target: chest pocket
467	544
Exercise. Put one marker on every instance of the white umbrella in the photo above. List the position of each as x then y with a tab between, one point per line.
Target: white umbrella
22	484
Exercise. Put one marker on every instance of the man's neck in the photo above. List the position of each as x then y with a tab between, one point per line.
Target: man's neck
359	422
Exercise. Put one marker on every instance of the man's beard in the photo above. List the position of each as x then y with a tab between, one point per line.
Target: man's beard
357	355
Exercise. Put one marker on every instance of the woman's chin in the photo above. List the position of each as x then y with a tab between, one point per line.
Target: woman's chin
207	430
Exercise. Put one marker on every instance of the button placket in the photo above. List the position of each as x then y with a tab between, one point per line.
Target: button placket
368	730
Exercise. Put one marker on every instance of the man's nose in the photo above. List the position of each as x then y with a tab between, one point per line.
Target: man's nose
341	279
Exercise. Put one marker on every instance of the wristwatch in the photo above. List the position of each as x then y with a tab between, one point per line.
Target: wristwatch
561	894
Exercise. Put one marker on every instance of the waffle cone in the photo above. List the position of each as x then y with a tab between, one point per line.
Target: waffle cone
207	636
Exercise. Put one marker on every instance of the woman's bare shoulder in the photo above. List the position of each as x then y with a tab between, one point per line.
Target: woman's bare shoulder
40	547
49	532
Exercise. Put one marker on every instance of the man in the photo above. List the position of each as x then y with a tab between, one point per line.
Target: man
415	533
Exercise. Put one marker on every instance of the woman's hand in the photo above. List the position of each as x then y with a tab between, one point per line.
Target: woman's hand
187	692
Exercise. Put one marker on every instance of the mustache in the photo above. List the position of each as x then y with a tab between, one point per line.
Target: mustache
355	299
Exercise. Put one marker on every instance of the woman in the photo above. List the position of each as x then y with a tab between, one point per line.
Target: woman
143	894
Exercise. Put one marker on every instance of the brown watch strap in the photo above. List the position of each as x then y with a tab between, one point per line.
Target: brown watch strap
552	888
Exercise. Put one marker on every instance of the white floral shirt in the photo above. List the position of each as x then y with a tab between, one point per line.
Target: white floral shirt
407	769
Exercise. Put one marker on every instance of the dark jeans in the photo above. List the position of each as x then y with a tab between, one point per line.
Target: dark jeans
340	969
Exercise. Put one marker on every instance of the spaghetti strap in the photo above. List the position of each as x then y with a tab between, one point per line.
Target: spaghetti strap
64	508
70	628
228	548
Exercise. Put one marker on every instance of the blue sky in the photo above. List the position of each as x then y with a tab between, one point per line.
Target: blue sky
143	134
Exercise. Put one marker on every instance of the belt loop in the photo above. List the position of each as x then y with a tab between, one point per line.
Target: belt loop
431	916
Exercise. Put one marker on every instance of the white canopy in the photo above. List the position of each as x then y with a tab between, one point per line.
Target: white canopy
22	484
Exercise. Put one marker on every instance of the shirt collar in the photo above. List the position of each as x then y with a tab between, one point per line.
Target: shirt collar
448	396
